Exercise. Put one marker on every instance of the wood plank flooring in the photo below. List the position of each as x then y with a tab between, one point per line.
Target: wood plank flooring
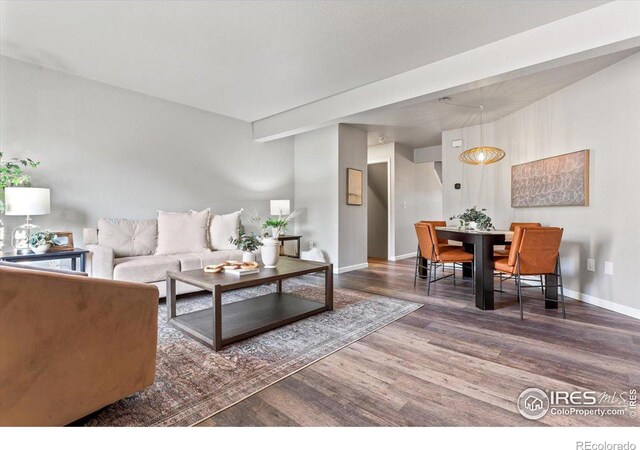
450	364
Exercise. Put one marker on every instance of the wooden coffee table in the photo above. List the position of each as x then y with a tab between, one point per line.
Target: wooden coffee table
223	324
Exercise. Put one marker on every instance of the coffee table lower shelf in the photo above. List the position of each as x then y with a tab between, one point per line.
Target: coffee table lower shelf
247	318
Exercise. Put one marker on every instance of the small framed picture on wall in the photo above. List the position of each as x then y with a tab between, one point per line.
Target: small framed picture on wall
354	187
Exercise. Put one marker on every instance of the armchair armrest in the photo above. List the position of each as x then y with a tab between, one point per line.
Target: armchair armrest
100	261
71	345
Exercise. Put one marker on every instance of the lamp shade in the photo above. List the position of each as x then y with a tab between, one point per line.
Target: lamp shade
27	201
280	207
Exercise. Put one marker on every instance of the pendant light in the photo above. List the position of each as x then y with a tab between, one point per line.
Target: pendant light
483	155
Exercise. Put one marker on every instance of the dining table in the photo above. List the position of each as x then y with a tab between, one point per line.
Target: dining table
481	243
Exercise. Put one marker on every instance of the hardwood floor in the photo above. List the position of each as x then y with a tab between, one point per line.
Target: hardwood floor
450	364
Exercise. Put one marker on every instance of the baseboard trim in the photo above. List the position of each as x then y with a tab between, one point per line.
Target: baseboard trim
602	303
599	302
405	256
345	269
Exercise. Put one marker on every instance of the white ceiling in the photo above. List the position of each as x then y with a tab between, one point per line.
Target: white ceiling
252	59
420	124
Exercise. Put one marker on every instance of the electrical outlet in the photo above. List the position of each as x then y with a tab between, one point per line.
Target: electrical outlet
404	204
608	267
591	265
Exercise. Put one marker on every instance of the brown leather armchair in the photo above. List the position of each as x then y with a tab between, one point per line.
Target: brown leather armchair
436	254
534	251
70	345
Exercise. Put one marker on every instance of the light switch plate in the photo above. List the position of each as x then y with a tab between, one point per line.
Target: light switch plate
591	265
608	267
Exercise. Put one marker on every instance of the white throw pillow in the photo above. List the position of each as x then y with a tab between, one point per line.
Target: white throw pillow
222	228
182	232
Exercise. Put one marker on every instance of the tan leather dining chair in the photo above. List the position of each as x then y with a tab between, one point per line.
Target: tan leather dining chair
435	254
438	223
507	248
534	251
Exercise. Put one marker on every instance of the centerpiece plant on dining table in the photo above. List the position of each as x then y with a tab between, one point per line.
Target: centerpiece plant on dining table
477	216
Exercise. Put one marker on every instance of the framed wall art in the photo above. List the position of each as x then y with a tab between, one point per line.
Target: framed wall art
561	180
354	187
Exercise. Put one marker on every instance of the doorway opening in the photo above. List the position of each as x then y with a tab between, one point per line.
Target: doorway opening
378	210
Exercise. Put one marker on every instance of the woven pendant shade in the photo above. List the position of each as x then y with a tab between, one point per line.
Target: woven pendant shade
482	155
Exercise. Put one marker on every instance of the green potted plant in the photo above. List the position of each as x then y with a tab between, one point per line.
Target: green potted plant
42	241
473	219
279	225
270	250
12	174
248	243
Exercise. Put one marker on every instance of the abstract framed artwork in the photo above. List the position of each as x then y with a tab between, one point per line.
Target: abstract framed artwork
354	187
561	180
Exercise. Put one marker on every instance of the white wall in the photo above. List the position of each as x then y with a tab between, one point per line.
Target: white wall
352	143
316	189
427	154
418	197
110	152
600	113
321	160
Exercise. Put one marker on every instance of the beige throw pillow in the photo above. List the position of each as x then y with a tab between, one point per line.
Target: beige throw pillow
222	228
182	232
128	237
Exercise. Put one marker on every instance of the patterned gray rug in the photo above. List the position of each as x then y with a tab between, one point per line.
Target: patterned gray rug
193	382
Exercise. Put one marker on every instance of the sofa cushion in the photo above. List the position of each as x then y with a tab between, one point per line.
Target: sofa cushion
145	269
222	228
182	232
193	261
128	237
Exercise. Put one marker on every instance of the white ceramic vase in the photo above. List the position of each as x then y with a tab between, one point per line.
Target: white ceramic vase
248	257
270	252
40	249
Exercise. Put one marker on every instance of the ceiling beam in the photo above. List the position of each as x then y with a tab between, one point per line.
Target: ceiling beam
605	29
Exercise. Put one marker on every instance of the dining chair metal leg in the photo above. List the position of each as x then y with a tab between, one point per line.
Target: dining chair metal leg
519	285
541	285
561	284
415	275
429	278
454	274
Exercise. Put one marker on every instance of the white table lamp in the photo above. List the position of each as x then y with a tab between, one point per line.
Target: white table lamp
26	201
280	207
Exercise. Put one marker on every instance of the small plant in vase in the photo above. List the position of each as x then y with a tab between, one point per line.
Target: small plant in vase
42	241
473	218
270	250
248	243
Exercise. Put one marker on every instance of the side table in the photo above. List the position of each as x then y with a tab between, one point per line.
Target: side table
283	238
74	255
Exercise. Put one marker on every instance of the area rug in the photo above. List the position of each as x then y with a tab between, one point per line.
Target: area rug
193	382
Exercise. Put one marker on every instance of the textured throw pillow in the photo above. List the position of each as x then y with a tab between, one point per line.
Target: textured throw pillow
182	232
222	228
128	237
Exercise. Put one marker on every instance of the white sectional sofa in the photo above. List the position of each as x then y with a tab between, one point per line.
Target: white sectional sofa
129	250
